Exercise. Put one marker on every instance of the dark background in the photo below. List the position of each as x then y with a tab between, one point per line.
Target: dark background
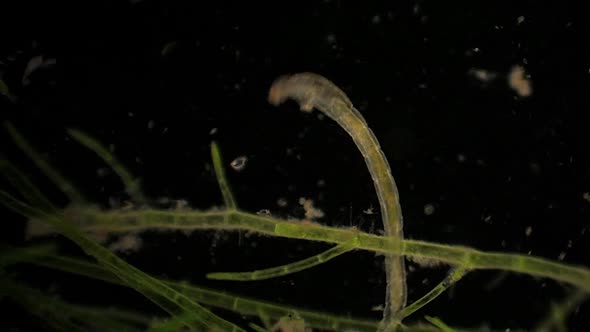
491	163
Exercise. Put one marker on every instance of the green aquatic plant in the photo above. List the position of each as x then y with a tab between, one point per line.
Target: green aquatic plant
189	306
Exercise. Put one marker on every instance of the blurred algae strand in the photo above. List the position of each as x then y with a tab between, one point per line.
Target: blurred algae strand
314	91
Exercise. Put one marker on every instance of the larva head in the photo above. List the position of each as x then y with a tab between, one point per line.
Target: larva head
277	93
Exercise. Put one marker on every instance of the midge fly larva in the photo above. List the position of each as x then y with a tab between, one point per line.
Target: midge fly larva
314	91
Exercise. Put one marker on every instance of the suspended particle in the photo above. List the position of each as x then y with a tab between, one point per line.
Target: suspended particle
379	307
213	131
428	209
482	75
528	231
282	202
311	212
369	211
126	243
519	81
239	163
263	212
169	48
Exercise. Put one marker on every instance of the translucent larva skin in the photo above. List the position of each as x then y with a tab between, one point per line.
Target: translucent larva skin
314	91
309	91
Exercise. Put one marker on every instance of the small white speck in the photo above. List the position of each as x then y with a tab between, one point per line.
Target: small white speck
428	209
102	172
151	124
561	256
369	211
331	38
482	75
519	19
263	212
586	196
239	163
461	158
528	231
535	168
213	131
282	202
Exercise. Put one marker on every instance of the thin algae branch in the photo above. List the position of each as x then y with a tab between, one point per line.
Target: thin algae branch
314	91
282	270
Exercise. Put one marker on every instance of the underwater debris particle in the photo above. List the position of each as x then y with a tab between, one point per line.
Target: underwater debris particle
310	211
331	38
263	212
213	131
35	63
428	209
290	323
482	75
535	168
519	82
239	163
586	196
519	19
126	243
425	262
461	157
103	172
369	211
181	205
282	202
561	256
379	307
169	48
528	231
